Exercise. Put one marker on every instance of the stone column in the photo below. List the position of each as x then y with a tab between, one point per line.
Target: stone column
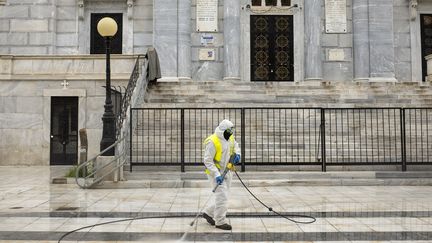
313	62
361	39
381	40
184	59
165	35
232	39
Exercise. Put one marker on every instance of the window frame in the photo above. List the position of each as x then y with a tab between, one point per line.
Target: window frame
264	6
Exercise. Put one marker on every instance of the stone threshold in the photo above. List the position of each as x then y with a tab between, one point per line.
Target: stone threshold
194	183
220	236
230	214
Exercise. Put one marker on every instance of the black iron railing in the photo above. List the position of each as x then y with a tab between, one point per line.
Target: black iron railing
126	98
286	136
363	136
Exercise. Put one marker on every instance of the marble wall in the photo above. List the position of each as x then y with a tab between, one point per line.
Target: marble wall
63	27
378	43
208	70
337	69
25	101
27	28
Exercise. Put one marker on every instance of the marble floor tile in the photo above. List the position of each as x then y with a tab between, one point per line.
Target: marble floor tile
280	225
41	227
176	225
321	225
146	225
71	227
109	228
247	225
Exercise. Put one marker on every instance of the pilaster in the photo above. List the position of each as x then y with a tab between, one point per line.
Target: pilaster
313	62
381	40
231	39
361	39
184	40
165	16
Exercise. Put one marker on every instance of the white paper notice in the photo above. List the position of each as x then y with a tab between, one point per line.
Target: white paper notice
207	16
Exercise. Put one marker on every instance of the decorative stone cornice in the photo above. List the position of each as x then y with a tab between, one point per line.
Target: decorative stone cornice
80	9
81	6
130	4
413	9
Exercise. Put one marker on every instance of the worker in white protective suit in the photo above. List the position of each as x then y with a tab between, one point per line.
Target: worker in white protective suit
219	147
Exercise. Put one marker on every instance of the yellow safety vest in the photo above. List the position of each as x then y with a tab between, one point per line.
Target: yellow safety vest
218	146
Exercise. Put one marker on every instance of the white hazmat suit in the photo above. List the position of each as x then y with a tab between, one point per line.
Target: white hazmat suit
217	208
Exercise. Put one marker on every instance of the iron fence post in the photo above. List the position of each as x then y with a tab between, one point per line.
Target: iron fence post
182	141
130	141
323	147
403	138
243	140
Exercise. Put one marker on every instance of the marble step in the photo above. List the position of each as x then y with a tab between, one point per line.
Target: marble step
305	93
287	86
152	179
291	101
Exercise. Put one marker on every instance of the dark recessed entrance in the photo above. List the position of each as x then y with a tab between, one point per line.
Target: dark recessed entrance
272	48
426	40
64	131
97	42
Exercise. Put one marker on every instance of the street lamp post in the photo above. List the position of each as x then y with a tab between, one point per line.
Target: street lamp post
107	28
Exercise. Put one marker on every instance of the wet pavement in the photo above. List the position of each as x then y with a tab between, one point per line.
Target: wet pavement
33	210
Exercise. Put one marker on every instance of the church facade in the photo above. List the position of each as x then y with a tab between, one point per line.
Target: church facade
314	39
45	43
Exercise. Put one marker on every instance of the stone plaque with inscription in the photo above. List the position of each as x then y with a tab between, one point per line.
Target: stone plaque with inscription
336	55
335	16
207	16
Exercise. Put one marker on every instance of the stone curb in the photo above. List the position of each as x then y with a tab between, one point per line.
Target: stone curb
262	183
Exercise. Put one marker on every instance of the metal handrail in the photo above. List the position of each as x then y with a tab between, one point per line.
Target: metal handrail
122	128
92	160
128	94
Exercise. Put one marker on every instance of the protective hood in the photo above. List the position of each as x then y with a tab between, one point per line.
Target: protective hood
224	125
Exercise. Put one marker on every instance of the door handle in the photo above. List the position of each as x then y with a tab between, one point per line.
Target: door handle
52	136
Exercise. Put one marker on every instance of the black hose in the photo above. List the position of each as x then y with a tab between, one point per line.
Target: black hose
122	220
286	216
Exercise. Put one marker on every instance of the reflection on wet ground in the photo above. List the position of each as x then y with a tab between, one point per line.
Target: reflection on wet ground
32	210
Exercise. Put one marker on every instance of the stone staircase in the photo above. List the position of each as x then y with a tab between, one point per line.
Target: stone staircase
290	94
157	139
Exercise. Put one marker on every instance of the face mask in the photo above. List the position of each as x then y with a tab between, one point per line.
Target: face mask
227	134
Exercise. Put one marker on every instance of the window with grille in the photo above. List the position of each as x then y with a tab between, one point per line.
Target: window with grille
265	3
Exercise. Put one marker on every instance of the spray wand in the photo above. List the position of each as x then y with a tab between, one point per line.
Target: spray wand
228	167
